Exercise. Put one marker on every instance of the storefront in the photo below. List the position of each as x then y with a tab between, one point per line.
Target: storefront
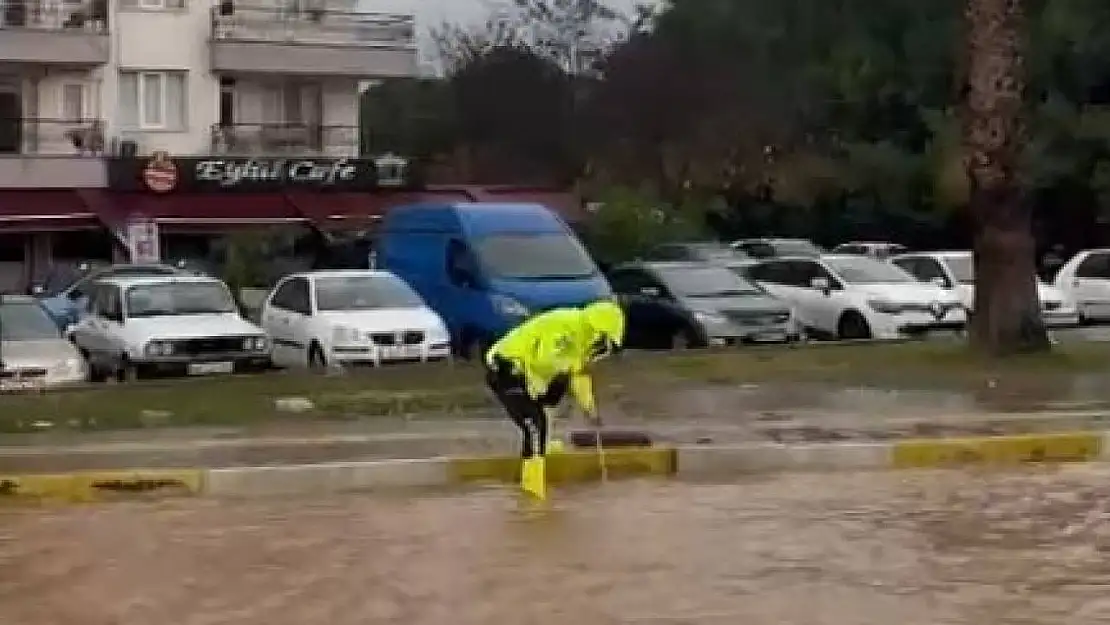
167	208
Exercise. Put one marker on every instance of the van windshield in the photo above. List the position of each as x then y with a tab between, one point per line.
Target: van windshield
554	256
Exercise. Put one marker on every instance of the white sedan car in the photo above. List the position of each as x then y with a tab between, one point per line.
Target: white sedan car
166	324
856	297
1085	280
956	270
351	317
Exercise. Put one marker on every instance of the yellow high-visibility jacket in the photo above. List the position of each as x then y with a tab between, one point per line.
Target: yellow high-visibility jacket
555	342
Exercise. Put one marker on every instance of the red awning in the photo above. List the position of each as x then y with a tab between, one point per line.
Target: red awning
54	209
210	210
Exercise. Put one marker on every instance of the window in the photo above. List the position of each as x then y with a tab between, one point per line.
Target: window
153	100
461	269
535	257
1094	266
106	300
802	273
152	5
364	293
630	281
775	273
26	321
179	298
73	102
707	282
864	270
293	296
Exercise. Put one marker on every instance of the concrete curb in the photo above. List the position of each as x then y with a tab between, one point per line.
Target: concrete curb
694	461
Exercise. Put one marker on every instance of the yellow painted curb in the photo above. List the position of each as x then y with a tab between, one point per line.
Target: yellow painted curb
102	485
993	450
567	467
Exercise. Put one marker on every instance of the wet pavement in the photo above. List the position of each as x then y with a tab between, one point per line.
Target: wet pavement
914	548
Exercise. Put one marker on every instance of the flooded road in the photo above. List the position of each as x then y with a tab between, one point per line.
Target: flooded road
853	549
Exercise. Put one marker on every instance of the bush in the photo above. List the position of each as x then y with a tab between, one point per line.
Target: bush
628	222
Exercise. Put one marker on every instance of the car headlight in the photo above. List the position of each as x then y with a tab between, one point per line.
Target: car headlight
260	343
343	334
885	306
708	318
158	348
782	317
509	307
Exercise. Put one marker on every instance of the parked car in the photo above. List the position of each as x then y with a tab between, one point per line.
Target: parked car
33	353
671	304
64	294
855	297
704	251
1085	280
956	270
139	325
486	267
776	247
874	249
348	317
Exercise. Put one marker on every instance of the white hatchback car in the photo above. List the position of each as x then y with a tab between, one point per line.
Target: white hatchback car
856	297
956	270
1085	280
166	324
350	317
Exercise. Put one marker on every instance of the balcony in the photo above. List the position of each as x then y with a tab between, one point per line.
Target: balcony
41	31
284	140
51	153
312	42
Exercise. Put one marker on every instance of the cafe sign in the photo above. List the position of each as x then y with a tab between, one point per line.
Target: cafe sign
292	172
259	174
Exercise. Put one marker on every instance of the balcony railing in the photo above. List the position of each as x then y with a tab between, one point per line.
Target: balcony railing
90	17
234	23
51	137
284	139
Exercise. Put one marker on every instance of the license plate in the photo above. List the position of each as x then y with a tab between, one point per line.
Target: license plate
401	352
16	386
769	337
211	368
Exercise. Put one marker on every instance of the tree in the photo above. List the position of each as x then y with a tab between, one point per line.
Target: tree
1007	309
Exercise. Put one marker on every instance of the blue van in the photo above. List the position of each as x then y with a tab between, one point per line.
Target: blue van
484	267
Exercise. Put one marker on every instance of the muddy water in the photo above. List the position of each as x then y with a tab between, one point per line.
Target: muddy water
853	549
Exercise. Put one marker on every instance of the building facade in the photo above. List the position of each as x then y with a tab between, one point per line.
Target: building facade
194	115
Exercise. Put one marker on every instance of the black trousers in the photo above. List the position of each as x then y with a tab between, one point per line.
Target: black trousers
527	413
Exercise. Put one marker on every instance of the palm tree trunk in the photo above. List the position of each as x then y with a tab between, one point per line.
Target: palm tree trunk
1007	309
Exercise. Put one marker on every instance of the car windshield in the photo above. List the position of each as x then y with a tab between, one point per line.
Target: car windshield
962	268
364	293
26	321
716	252
706	282
179	298
864	270
534	257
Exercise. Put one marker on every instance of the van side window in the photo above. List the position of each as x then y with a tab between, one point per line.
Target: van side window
460	264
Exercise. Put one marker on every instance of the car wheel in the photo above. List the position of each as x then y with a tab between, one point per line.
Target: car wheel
316	358
127	371
95	374
852	326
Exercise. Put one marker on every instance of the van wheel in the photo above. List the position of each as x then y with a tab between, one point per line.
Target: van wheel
852	326
96	376
316	358
126	372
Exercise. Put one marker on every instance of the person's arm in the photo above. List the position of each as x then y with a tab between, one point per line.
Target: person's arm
582	389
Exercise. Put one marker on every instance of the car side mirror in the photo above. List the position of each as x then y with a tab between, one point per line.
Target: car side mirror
820	284
941	282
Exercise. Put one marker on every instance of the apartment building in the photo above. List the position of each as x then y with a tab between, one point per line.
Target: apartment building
167	90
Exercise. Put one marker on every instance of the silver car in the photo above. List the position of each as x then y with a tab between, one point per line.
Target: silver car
33	354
